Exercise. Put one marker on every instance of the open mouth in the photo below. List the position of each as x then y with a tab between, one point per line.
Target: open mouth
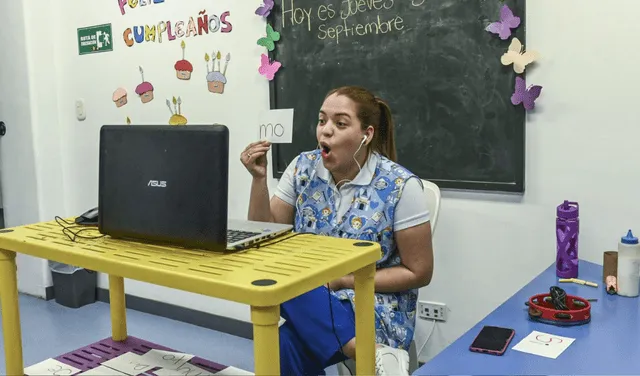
325	150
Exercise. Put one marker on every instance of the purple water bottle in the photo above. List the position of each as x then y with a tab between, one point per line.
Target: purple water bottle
567	229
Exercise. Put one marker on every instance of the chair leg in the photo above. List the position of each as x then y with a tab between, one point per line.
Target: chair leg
413	357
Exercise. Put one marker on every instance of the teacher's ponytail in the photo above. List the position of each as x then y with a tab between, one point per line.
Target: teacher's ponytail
385	142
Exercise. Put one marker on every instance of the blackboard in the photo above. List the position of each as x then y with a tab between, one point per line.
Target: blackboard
431	60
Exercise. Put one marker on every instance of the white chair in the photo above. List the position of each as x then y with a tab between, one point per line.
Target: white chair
433	197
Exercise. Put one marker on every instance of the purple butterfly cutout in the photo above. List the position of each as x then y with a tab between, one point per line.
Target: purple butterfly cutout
524	95
507	22
265	9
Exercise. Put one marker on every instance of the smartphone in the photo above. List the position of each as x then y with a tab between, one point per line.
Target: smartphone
492	340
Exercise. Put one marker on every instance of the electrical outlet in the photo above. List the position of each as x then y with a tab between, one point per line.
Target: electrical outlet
432	311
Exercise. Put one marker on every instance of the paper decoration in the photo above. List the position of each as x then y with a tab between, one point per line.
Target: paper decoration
517	56
201	23
145	89
525	95
507	22
183	67
102	371
51	367
166	359
129	363
543	344
120	97
216	80
276	126
128	121
265	9
176	113
267	68
268	42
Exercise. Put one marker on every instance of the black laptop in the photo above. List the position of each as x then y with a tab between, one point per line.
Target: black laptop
170	185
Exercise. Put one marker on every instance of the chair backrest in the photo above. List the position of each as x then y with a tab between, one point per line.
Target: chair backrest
432	195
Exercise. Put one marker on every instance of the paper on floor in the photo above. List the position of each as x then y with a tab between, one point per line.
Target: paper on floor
129	363
543	344
233	371
102	371
166	359
50	367
186	369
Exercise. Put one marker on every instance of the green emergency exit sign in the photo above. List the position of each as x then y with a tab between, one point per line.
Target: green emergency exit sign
94	39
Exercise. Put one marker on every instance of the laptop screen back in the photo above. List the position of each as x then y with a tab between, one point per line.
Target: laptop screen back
165	184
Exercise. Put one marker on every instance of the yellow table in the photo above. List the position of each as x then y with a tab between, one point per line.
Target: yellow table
262	278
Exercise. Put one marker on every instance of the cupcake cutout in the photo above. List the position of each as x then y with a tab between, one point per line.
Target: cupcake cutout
183	67
120	97
176	112
145	89
216	79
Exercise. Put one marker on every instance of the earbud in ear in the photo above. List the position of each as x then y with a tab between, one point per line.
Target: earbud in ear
364	139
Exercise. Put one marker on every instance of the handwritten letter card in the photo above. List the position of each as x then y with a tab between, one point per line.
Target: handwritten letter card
166	359
129	363
102	371
232	371
276	126
186	369
543	344
50	367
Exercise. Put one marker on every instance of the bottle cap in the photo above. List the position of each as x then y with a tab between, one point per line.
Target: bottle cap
629	239
567	210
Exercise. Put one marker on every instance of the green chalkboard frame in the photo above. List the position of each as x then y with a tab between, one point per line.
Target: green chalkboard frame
515	185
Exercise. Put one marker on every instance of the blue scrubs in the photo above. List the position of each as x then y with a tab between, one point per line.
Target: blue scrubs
308	341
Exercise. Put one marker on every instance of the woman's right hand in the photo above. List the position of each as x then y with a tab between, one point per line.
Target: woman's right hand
254	158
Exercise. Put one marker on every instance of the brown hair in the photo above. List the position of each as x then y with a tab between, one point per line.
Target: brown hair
375	112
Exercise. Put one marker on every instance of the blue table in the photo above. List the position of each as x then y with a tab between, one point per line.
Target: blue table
608	345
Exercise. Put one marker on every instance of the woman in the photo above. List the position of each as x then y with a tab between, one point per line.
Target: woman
349	187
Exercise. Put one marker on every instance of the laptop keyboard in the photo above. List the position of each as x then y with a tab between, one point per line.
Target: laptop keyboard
236	235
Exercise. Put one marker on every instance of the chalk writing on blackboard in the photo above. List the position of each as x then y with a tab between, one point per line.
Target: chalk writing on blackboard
335	21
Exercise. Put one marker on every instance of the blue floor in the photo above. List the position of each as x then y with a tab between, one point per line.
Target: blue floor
49	329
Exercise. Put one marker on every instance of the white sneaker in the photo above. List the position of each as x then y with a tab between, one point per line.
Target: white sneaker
391	362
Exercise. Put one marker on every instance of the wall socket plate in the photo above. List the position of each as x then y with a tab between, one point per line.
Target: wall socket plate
432	311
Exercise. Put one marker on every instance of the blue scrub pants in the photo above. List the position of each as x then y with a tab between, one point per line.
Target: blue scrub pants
308	342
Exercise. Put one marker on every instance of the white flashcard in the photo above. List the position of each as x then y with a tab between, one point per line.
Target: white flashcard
102	371
129	363
186	369
50	367
166	359
543	344
233	371
276	126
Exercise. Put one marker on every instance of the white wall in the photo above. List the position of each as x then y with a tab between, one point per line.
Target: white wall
582	145
33	182
581	141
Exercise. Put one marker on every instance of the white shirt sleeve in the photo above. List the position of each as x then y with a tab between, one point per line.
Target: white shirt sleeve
286	191
412	209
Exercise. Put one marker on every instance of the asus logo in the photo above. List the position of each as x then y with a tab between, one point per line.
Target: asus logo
159	184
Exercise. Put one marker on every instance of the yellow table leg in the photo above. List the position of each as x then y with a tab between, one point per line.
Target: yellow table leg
365	325
10	313
118	308
266	340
